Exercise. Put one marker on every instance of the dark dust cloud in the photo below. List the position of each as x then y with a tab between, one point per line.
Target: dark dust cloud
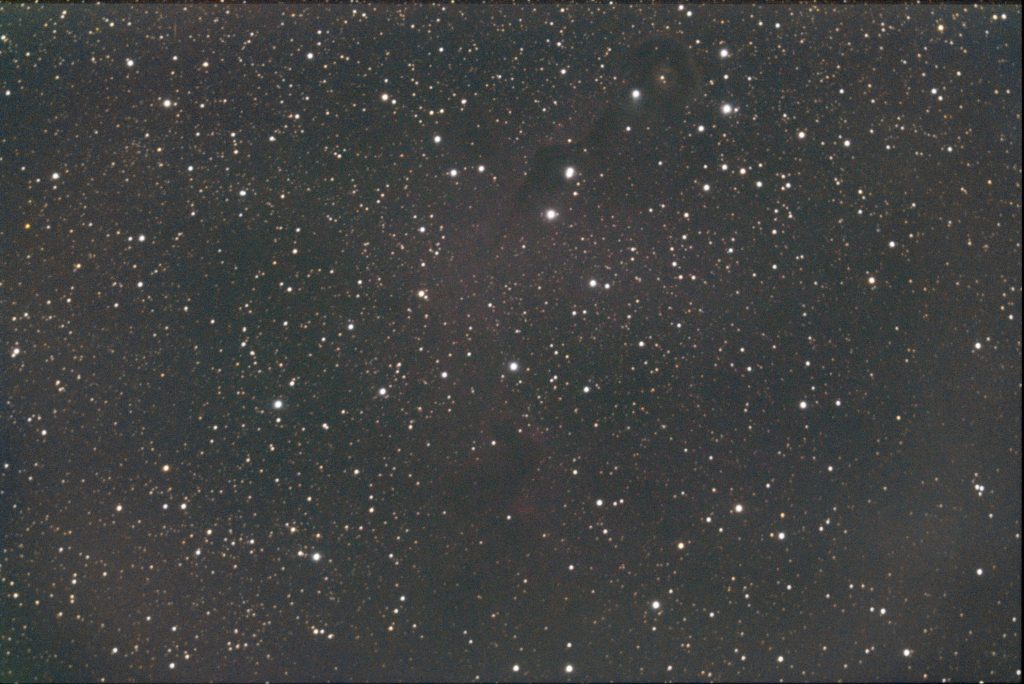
510	342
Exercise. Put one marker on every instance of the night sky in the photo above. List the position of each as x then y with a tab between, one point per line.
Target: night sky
522	343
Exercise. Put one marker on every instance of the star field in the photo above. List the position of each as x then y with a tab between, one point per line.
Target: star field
369	342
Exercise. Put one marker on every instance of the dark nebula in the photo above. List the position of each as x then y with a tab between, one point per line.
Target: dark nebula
412	342
659	83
